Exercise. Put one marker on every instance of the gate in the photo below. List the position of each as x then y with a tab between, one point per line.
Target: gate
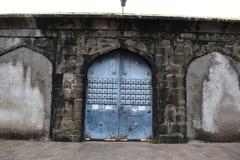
119	98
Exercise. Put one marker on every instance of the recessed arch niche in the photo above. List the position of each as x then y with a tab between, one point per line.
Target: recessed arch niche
213	98
25	94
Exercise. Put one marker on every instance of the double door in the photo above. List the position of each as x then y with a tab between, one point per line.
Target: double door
119	98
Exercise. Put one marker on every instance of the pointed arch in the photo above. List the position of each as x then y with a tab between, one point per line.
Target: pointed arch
127	45
38	50
26	93
212	93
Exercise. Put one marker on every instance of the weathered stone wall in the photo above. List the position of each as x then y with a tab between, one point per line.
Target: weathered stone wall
72	42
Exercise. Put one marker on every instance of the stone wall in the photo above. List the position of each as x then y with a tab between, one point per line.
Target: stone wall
73	42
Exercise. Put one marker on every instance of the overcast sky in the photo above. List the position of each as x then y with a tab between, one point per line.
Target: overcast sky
193	8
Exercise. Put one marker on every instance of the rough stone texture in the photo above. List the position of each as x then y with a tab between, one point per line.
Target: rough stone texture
213	98
73	42
25	94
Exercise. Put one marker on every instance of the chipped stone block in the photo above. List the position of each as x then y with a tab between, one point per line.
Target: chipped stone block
172	138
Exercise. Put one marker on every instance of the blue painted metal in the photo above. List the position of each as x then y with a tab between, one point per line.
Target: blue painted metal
101	117
119	98
136	98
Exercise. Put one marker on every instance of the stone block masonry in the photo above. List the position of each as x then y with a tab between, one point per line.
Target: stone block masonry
55	51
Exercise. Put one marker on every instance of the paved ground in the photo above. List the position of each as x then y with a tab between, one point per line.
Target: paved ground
28	150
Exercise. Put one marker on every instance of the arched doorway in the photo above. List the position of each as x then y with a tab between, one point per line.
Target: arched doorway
119	98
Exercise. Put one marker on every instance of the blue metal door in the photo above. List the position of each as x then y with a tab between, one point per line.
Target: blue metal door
119	98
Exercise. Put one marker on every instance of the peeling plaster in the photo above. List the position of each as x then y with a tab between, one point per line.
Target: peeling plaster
25	92
213	96
222	82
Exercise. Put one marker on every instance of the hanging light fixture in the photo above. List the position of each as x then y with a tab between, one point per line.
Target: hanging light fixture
123	3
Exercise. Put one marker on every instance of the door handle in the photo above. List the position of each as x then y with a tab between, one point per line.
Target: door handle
123	109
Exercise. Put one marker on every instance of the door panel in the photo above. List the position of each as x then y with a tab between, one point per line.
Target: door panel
136	98
101	120
119	98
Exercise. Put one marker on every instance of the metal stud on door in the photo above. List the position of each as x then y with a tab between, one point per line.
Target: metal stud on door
136	98
101	116
119	98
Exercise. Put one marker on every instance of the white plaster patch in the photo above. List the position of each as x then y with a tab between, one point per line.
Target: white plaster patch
21	105
68	79
223	80
25	92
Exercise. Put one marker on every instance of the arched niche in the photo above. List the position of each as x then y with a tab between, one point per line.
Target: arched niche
25	94
213	98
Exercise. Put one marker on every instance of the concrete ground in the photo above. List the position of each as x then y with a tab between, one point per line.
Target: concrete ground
29	150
